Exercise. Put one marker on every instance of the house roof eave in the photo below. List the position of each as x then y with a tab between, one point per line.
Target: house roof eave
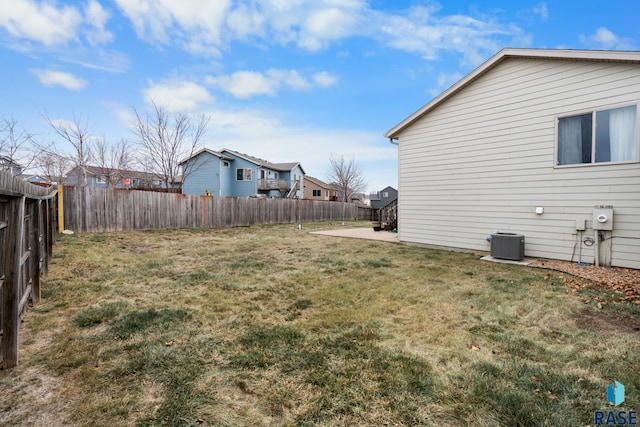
205	150
566	54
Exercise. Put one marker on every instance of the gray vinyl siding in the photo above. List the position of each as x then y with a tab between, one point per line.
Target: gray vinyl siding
481	161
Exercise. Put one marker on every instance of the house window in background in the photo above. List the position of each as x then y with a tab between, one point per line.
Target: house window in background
243	174
225	163
317	193
598	137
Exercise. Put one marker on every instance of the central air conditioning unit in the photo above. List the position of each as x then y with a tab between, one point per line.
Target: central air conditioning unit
508	246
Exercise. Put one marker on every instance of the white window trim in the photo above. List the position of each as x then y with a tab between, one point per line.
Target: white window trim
244	174
556	120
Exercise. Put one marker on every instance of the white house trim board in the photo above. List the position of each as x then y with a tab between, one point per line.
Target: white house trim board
481	157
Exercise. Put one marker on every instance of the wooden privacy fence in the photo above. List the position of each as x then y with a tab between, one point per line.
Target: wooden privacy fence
105	209
27	234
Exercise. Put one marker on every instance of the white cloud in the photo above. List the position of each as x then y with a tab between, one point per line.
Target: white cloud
325	79
194	24
245	84
97	17
51	24
542	11
326	25
209	27
290	78
40	22
201	27
603	38
60	78
177	95
422	32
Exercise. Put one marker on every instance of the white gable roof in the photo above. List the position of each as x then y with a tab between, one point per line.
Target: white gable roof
575	55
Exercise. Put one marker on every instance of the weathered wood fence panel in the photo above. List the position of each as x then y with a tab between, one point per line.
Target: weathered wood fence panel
27	233
105	209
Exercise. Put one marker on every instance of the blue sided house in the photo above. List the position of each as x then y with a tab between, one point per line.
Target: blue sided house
233	174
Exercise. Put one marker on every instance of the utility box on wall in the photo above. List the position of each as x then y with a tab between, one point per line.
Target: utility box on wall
603	219
508	246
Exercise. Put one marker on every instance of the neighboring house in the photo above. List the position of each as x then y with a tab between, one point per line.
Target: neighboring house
114	178
38	180
357	198
316	189
229	173
6	163
383	197
531	142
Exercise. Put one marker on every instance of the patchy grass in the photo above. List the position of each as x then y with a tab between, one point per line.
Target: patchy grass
275	326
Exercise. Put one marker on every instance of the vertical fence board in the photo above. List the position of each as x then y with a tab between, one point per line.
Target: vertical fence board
106	209
13	283
27	232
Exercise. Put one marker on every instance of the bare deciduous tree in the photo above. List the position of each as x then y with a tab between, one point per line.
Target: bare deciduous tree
53	166
112	160
166	139
17	144
346	176
77	134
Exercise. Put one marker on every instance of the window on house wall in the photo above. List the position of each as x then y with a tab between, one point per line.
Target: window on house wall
101	179
243	174
225	163
385	194
598	137
317	193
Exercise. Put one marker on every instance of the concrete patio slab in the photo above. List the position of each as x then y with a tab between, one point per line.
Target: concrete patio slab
360	233
525	261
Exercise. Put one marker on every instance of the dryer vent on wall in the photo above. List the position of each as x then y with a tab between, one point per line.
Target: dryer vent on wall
507	246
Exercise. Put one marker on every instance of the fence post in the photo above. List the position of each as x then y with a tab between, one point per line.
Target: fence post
36	250
12	280
60	208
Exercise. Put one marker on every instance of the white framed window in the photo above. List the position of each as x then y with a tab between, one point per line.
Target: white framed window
243	174
225	163
317	193
101	179
601	136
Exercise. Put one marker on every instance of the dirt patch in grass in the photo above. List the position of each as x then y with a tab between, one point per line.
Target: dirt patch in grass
31	401
587	318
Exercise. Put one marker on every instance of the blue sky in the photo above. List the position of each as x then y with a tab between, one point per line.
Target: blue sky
284	80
